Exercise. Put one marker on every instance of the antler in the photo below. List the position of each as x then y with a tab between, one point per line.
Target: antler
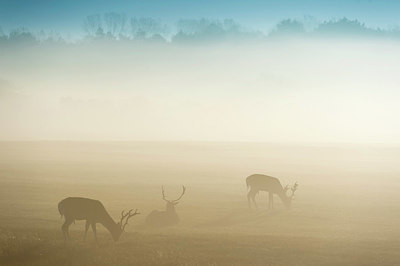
123	215
163	194
183	192
294	188
286	188
128	216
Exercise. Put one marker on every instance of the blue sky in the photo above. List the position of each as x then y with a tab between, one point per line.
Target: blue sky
67	16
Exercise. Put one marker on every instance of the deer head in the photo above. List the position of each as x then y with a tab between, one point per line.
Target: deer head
289	198
121	224
293	189
171	203
286	188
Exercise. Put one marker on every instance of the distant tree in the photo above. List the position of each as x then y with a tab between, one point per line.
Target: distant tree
100	33
288	28
231	26
394	32
344	26
199	30
114	23
210	30
22	36
142	28
115	26
157	38
192	26
3	37
49	36
198	26
92	24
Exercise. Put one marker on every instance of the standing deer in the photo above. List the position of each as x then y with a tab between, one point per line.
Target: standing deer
167	217
271	185
93	211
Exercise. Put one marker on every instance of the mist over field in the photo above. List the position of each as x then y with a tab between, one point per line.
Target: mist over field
227	133
298	91
345	210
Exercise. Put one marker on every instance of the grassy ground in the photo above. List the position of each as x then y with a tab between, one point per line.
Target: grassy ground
346	211
41	247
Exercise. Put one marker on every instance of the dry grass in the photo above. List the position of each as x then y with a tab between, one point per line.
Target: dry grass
346	211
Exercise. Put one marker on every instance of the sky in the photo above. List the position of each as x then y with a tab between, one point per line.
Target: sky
67	16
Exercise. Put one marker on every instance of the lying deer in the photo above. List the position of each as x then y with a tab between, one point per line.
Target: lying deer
269	184
93	212
167	217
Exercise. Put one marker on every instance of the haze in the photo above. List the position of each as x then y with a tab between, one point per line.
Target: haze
273	124
279	91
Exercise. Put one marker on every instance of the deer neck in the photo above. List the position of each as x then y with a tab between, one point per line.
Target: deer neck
108	223
170	209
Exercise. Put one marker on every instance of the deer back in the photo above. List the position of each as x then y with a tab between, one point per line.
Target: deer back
264	183
82	209
162	218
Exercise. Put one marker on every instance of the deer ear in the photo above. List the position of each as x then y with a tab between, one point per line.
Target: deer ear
176	203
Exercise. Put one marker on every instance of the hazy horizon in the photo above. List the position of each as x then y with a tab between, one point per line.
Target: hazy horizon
324	91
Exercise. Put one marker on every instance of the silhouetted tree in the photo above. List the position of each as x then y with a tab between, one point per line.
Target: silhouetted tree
22	36
92	24
142	28
288	28
344	26
47	37
3	37
209	30
114	23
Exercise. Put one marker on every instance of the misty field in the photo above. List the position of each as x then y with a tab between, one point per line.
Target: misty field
346	210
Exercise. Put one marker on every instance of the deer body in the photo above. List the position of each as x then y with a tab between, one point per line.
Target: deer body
272	185
93	211
169	216
163	218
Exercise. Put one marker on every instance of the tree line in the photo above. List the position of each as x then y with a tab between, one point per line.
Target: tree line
119	27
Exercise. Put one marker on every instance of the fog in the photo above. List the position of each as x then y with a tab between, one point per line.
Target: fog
283	90
226	133
346	203
144	124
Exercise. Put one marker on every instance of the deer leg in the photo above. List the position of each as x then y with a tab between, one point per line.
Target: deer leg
271	200
94	230
251	196
65	227
86	228
248	198
254	199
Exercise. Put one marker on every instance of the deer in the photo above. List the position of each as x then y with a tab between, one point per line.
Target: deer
93	211
272	185
169	216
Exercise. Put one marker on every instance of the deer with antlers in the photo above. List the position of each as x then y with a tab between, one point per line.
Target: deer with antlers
167	217
93	211
272	185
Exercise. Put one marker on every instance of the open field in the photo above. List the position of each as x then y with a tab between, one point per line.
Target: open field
346	210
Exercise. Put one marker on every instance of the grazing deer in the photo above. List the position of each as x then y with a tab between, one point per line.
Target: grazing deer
93	211
272	186
167	217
